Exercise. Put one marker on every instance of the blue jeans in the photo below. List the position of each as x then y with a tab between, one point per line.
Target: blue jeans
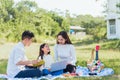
30	73
55	73
59	72
45	72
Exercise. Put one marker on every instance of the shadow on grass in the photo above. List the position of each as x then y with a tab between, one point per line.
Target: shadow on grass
85	42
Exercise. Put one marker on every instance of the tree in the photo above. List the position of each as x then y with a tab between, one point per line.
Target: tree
95	26
6	9
26	15
62	21
118	5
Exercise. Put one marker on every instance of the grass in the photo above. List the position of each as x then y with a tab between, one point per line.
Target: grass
110	58
3	65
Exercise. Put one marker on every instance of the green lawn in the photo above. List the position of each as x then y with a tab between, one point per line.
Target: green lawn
110	58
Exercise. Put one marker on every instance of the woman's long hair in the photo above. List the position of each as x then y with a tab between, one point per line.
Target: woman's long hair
41	52
65	36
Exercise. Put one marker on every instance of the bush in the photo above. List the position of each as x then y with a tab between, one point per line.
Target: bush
112	44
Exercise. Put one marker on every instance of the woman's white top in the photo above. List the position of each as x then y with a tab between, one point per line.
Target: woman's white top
65	52
48	61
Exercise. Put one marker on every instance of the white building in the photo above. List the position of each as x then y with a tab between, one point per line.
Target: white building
113	19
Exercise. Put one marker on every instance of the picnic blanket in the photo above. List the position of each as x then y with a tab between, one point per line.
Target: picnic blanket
82	71
48	77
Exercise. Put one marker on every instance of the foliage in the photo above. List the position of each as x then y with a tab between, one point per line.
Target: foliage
118	5
6	10
26	15
95	26
112	44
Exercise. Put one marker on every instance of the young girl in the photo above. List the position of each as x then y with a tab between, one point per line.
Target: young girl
64	50
44	54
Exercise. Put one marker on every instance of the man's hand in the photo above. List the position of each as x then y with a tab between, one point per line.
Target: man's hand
27	62
34	61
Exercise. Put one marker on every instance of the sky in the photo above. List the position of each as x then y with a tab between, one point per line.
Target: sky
78	7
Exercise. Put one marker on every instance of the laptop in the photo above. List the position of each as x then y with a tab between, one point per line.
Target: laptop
58	65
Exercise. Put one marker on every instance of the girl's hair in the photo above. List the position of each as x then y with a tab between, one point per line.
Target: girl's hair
65	36
41	52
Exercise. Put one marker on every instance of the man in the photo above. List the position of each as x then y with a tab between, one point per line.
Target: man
17	59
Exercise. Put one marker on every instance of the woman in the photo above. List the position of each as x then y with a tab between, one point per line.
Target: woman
64	50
